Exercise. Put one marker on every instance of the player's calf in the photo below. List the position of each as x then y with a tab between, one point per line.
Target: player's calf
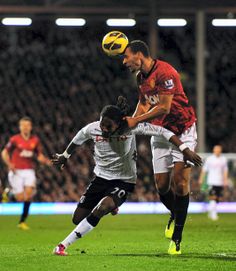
105	206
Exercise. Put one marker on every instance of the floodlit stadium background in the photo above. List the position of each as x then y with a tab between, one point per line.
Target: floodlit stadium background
59	76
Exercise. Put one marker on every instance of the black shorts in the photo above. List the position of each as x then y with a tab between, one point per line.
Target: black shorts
99	188
216	191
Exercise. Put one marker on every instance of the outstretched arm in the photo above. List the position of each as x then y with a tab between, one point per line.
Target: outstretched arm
61	159
155	130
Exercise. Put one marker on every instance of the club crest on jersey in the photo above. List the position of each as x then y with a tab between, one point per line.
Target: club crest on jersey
169	84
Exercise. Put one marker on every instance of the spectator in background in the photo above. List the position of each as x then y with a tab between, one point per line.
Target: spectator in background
18	155
215	170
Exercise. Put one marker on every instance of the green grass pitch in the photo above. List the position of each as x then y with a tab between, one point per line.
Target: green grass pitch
123	242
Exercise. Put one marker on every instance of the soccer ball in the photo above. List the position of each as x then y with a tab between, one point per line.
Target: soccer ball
114	43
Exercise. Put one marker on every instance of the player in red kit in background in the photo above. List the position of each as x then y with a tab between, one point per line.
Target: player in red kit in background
19	155
162	101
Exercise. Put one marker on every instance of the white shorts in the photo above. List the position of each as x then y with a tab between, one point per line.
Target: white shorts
21	178
165	154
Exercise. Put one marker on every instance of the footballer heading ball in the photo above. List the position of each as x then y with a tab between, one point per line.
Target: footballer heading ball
114	43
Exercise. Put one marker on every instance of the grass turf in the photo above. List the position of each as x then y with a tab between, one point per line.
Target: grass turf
123	242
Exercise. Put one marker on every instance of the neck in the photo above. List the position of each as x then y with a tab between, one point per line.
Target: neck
25	135
147	65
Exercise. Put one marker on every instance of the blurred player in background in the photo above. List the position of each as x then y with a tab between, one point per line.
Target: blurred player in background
163	102
18	155
115	167
215	171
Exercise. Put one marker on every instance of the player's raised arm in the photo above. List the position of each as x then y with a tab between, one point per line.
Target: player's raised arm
162	108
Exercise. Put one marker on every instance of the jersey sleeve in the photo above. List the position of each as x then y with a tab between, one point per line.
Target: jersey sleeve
151	130
83	135
10	144
168	83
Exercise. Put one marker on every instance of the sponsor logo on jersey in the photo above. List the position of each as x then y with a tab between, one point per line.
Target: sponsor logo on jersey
169	84
152	99
26	154
110	139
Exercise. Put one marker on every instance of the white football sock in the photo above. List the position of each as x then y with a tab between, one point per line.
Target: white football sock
80	230
212	209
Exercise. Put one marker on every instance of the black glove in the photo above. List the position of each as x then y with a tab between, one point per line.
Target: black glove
59	160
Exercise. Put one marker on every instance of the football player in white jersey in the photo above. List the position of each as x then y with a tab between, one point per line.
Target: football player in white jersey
215	170
115	166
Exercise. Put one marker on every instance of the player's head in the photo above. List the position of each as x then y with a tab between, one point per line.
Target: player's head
111	118
217	150
134	55
25	125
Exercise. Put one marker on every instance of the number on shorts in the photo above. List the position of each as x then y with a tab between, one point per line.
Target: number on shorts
121	192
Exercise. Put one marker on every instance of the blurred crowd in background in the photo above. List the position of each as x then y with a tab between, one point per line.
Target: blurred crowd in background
61	79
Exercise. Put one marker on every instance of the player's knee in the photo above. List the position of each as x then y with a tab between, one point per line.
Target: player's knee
162	183
28	198
19	198
162	186
181	187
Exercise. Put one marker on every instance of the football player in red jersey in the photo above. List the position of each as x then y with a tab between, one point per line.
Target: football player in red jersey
19	155
162	101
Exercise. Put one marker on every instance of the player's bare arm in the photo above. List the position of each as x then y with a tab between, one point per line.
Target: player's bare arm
43	159
6	159
201	177
162	108
141	108
61	159
226	178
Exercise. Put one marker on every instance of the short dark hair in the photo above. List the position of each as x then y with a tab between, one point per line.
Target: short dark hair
25	118
139	46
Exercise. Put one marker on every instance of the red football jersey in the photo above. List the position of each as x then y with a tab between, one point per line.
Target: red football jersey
22	151
163	79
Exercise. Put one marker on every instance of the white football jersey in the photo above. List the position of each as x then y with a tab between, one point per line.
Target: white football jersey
215	166
115	157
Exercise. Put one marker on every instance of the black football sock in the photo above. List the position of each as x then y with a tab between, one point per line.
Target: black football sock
168	200
93	220
181	210
25	211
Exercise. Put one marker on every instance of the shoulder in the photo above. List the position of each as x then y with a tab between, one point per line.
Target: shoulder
91	127
166	69
34	137
15	138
